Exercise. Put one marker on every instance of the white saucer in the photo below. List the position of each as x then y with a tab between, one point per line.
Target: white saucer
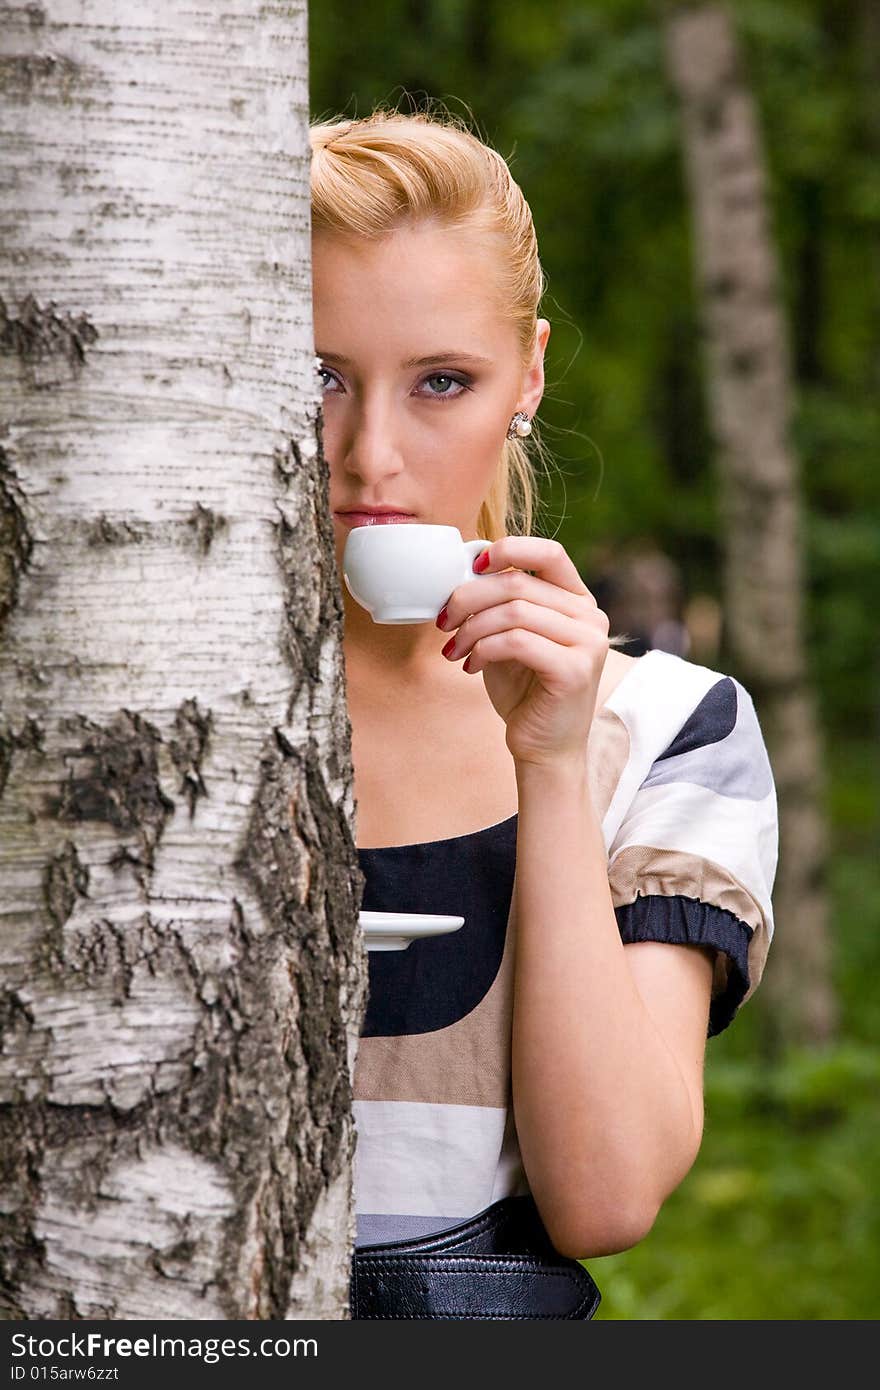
394	931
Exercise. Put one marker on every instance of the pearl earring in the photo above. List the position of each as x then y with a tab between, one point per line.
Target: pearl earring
520	426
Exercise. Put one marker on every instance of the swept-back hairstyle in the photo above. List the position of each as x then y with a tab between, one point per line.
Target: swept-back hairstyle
372	174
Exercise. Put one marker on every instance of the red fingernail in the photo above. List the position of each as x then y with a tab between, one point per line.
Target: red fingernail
481	562
448	648
441	616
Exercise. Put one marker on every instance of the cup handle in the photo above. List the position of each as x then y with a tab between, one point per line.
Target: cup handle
472	550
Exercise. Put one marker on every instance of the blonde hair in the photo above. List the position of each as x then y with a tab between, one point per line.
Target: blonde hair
371	174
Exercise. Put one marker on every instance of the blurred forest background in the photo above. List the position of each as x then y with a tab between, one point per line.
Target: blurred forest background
780	1217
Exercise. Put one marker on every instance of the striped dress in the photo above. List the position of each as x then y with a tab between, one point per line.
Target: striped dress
681	780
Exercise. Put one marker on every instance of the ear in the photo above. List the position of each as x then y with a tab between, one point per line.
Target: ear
532	388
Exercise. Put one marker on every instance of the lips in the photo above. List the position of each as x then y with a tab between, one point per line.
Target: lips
374	518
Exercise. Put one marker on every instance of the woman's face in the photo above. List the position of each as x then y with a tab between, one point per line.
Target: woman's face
421	374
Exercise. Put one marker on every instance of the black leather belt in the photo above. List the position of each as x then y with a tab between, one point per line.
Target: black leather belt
500	1264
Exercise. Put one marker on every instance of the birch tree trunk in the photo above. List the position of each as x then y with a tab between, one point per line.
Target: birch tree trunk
182	971
749	382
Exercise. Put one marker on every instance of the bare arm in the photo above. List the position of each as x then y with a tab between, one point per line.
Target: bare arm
608	1040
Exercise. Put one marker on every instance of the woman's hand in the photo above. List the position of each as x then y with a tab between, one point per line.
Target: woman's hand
540	641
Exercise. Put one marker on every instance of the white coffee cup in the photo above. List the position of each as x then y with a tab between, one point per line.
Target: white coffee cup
405	572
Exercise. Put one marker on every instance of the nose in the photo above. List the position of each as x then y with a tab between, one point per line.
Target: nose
369	448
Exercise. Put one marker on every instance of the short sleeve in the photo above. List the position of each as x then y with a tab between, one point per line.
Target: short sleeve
694	858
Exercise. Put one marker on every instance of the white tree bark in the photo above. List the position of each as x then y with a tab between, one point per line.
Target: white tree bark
182	972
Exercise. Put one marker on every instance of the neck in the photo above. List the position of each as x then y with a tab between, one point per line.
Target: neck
410	650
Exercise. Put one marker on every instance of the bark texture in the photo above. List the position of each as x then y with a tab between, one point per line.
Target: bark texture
183	976
749	383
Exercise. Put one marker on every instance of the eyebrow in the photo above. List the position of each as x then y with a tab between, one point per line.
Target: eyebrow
416	361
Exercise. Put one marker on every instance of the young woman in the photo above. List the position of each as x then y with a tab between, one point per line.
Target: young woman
605	824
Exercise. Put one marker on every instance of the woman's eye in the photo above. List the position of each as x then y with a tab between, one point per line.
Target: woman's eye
447	382
325	372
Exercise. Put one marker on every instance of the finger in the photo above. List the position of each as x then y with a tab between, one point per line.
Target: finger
559	667
519	613
547	558
502	588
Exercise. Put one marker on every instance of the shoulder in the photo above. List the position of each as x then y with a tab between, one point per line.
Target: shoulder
698	783
675	731
692	830
674	706
617	665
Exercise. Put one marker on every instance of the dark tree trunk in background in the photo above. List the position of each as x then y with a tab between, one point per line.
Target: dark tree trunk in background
415	79
749	383
182	970
479	22
810	289
868	13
